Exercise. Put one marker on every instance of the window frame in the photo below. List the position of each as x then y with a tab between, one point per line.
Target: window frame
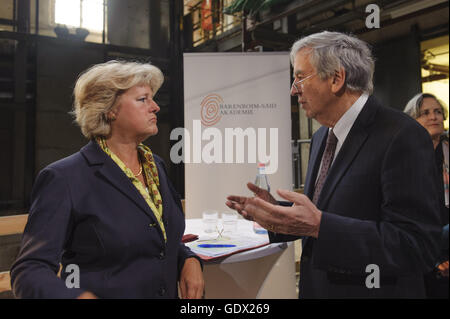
91	31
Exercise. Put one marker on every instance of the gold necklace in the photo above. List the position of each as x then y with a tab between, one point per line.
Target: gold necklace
140	172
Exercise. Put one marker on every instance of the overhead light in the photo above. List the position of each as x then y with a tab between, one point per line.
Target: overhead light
414	7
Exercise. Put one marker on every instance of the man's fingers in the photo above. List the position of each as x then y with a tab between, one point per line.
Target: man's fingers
264	212
246	216
294	197
237	199
234	205
240	209
255	189
263	204
262	193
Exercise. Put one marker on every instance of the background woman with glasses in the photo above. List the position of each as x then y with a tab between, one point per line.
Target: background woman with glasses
430	112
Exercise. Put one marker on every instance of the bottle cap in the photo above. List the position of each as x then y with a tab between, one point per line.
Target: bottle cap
261	165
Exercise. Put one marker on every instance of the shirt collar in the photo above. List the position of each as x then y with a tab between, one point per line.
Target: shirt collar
345	123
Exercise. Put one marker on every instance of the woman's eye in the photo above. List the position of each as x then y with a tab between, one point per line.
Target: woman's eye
142	99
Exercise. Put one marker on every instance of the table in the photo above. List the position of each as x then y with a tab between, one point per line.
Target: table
265	272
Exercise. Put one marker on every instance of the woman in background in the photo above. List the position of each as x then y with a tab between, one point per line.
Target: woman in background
431	113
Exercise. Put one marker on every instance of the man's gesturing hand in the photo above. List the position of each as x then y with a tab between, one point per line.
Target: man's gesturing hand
238	202
301	219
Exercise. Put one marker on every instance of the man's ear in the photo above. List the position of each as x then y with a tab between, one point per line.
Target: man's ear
338	80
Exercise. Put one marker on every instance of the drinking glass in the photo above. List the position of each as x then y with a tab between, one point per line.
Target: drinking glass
229	222
210	219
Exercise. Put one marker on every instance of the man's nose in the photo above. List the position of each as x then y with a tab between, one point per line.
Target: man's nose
294	90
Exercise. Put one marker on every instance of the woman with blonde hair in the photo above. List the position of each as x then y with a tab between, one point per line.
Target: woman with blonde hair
108	213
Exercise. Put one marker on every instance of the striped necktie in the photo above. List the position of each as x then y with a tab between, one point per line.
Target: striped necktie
327	159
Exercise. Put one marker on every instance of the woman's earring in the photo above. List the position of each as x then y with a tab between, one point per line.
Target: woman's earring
112	117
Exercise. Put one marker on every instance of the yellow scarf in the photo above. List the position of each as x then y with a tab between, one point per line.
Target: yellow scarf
151	195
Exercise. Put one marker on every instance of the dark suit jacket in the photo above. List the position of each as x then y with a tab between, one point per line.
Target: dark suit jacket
379	206
85	211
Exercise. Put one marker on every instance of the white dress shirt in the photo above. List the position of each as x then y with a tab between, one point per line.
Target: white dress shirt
345	124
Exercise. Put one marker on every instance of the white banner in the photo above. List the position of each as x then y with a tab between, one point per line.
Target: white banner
237	113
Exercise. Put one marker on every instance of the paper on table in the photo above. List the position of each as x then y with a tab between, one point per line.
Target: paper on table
241	243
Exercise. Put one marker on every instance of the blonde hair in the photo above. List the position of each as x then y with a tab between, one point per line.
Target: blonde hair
97	89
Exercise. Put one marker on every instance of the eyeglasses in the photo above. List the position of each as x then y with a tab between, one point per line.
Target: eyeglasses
426	113
298	84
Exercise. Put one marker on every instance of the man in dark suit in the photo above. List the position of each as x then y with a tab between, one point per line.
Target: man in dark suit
369	219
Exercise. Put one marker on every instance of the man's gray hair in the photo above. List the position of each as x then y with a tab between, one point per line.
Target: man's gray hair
332	50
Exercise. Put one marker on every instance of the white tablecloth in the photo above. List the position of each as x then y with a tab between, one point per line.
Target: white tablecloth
265	272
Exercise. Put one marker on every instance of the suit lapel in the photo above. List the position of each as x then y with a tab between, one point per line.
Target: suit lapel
163	191
351	147
112	173
317	148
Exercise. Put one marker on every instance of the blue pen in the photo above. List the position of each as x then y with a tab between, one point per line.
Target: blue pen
214	246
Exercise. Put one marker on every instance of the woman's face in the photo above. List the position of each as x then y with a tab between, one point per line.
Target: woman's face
431	117
135	113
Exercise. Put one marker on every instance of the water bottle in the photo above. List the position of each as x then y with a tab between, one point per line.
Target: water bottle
261	182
